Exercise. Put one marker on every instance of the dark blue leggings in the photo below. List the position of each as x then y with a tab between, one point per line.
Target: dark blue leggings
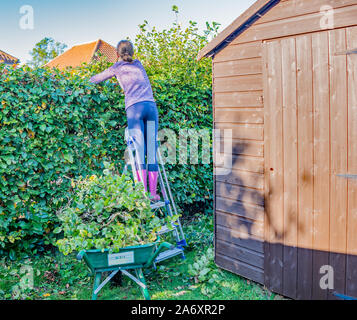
143	125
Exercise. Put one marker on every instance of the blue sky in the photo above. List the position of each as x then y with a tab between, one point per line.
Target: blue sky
80	21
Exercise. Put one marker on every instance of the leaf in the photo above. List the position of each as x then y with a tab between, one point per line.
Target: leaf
12	255
57	230
204	272
68	157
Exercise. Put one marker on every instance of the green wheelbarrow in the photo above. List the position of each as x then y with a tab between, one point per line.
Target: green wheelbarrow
127	259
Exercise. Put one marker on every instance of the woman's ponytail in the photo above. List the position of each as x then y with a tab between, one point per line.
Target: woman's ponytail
127	57
125	50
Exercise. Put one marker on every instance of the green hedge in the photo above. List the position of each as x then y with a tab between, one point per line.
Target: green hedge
56	127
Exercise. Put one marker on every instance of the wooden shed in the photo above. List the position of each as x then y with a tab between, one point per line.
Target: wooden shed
285	82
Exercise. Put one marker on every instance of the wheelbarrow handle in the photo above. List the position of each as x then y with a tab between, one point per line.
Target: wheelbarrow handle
162	246
81	255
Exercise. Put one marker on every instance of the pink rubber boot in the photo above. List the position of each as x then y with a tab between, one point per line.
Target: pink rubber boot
153	175
144	174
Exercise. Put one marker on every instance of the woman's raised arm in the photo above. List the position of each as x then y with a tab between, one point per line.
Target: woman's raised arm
105	75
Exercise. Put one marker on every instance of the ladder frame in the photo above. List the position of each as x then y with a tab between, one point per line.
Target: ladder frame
169	202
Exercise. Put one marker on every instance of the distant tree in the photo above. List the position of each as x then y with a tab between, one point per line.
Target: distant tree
176	10
44	51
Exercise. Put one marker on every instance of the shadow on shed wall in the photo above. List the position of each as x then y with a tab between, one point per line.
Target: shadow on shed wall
291	271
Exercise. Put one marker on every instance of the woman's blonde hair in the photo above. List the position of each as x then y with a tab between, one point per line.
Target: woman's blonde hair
125	50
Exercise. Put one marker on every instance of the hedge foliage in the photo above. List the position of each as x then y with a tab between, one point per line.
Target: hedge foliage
56	127
108	212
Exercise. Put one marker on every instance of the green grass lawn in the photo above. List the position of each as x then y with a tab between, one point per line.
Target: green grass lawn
56	277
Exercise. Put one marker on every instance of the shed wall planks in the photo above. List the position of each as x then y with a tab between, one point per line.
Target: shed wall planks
321	93
238	52
239	83
243	179
351	278
338	127
242	225
293	8
288	49
313	22
305	163
239	99
238	67
240	239
239	196
241	116
244	269
275	202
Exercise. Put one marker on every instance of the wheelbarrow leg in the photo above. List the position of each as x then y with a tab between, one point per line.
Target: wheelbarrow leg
144	291
97	278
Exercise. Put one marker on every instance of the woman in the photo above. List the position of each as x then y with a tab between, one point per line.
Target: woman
141	110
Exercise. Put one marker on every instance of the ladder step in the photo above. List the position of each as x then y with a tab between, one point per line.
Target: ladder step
157	205
165	229
168	254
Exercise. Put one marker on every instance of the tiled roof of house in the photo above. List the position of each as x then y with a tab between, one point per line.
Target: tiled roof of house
107	50
84	53
7	58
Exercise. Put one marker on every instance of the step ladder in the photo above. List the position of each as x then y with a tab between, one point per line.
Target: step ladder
167	205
